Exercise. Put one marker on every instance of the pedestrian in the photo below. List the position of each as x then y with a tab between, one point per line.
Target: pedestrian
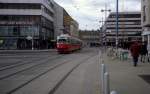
148	49
135	51
143	51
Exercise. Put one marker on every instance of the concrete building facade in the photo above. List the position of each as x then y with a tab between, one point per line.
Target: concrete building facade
145	20
129	28
91	38
26	24
64	23
74	28
71	26
58	19
33	24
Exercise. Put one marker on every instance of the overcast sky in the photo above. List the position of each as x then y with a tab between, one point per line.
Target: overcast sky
88	12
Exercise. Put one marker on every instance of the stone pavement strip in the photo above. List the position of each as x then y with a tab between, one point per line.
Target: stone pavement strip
125	79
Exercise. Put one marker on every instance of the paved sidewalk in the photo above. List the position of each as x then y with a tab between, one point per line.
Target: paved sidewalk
125	79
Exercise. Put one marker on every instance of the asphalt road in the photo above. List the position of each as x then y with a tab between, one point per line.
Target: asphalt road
50	73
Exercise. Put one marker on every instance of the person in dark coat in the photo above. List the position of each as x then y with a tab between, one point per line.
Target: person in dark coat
135	51
143	51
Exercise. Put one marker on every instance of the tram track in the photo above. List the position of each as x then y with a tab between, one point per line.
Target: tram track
32	66
63	78
39	74
25	78
22	58
17	64
15	89
53	90
9	64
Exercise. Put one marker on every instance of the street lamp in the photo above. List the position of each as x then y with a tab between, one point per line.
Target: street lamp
85	27
105	10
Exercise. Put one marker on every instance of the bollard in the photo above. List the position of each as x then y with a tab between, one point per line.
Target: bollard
113	92
106	83
103	70
100	57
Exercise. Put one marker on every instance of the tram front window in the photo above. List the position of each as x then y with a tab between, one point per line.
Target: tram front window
62	41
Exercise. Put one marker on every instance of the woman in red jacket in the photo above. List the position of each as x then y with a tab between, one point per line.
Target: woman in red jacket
135	51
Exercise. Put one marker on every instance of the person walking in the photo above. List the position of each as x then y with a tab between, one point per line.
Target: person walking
135	51
143	51
148	49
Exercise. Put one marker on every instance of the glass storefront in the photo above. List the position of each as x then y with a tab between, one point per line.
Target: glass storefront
14	37
17	32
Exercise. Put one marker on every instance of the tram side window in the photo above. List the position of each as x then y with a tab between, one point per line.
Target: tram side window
69	41
73	41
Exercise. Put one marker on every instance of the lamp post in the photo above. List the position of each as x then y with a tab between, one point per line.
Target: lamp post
105	22
32	41
101	29
85	27
117	18
32	37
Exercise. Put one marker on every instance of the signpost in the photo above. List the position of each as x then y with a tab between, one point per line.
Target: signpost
31	38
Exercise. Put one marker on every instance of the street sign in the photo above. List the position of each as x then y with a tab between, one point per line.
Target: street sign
1	41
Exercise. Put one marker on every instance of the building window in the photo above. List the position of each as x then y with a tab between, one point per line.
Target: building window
47	11
51	4
19	6
14	19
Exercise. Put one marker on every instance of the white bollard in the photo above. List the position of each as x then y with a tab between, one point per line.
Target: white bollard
106	83
113	92
103	70
100	57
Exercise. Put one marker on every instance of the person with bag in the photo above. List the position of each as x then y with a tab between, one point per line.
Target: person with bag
135	51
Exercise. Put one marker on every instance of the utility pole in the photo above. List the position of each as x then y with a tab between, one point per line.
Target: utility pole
33	37
101	29
117	18
105	22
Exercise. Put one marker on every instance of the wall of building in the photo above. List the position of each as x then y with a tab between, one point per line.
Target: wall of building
41	20
91	38
74	29
58	23
129	27
27	11
145	20
145	12
45	2
24	20
70	25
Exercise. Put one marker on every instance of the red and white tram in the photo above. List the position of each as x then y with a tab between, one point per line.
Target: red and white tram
67	44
